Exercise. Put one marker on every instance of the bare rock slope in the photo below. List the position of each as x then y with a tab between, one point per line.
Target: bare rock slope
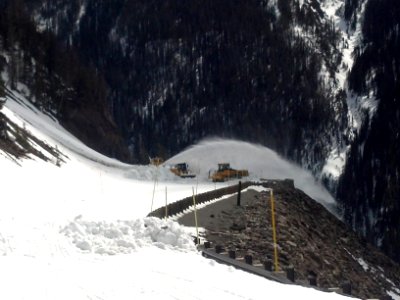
309	238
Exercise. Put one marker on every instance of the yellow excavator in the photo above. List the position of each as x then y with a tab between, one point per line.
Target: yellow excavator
225	172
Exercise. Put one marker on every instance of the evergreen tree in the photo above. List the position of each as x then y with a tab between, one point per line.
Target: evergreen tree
2	92
3	132
59	83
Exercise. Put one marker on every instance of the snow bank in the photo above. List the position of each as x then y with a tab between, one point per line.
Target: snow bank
3	246
150	173
122	237
259	160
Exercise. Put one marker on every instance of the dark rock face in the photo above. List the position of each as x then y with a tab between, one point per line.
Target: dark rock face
56	81
309	238
24	144
178	71
370	186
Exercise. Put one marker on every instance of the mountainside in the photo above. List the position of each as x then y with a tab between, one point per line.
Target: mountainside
55	81
178	71
370	185
317	81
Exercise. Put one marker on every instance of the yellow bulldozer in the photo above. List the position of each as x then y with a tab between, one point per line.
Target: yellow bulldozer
225	172
182	170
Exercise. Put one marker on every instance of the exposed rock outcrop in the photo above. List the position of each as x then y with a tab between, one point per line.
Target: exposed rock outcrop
309	238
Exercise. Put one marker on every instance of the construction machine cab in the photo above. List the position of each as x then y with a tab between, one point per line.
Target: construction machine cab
223	167
182	167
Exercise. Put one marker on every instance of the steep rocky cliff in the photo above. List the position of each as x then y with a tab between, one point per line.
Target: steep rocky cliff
369	188
178	71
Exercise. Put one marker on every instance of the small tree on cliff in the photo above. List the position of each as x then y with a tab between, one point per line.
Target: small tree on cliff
3	132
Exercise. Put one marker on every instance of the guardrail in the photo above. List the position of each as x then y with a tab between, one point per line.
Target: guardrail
181	205
265	269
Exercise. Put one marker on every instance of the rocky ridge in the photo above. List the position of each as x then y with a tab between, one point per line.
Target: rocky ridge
309	238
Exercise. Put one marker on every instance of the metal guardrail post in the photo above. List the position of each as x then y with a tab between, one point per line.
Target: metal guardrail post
290	273
239	192
346	287
268	265
218	249
248	259
312	278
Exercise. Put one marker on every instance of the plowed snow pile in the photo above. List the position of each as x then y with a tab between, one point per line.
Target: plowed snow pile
127	236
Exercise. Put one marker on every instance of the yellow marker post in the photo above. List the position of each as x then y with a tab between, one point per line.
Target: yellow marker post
197	183
154	189
274	231
166	204
197	179
195	217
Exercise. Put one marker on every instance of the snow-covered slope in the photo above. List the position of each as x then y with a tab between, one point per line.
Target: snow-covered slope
78	231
